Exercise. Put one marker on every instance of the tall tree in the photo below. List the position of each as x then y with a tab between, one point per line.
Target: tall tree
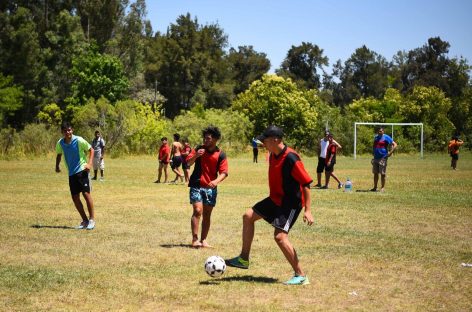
304	64
246	66
364	74
21	58
191	58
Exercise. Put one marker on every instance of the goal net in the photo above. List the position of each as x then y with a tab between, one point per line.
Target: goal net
385	124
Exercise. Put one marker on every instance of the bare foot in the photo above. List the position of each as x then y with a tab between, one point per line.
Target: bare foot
196	244
205	244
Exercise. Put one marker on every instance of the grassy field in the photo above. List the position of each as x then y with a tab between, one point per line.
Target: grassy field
395	251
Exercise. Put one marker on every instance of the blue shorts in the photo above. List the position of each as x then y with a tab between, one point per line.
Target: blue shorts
205	195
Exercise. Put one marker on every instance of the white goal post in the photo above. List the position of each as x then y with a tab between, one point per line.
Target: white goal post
386	124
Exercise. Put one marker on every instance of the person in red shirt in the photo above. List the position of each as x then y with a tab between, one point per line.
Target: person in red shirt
163	158
289	185
453	149
211	168
330	161
185	152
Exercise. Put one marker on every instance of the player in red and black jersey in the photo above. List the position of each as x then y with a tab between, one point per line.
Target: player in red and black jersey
289	185
211	167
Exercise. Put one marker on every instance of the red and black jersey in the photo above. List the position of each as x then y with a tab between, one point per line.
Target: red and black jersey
207	167
331	151
287	177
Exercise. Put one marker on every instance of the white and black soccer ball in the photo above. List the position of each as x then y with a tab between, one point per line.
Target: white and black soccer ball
215	266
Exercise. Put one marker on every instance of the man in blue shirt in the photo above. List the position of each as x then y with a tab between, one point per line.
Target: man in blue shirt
381	154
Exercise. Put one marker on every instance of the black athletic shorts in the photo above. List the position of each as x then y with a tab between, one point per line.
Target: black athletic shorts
282	218
455	156
79	183
176	162
321	165
329	168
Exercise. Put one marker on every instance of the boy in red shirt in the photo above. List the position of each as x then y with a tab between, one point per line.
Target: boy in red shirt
289	185
163	158
211	168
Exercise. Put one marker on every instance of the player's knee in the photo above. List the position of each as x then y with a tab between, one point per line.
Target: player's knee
280	237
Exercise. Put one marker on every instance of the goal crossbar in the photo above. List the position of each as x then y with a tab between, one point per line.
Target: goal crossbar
386	124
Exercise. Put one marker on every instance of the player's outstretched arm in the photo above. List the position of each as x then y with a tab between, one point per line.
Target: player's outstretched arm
58	161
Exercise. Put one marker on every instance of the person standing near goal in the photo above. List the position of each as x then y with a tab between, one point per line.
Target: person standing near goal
289	193
381	154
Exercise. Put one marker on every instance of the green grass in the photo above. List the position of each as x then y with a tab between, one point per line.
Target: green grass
395	251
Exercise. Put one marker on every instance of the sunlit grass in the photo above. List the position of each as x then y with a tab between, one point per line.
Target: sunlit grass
399	250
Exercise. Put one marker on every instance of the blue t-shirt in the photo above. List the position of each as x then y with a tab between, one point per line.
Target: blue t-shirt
254	143
381	144
75	153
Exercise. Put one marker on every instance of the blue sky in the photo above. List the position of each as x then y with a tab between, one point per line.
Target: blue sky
337	27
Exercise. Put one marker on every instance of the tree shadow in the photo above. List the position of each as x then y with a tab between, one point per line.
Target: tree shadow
62	227
243	278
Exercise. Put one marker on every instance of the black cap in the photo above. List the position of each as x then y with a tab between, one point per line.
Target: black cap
271	131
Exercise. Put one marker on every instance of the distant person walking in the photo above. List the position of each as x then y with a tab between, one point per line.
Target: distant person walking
176	156
211	168
76	150
330	162
185	152
381	154
453	149
255	150
163	159
98	145
323	147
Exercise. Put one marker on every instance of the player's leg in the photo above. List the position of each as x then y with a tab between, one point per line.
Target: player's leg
281	238
206	223
195	222
249	219
79	207
165	172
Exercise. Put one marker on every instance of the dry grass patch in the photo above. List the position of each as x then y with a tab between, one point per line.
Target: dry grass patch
400	250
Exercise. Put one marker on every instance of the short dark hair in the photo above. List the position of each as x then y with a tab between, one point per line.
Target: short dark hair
65	125
176	136
163	139
96	131
213	131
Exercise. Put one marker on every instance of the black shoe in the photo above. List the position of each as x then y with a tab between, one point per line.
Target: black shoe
374	189
324	187
94	178
317	185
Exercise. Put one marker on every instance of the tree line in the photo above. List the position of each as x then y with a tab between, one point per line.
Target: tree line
100	64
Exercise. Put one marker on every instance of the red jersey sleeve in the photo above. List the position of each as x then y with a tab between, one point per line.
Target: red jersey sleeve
300	175
223	165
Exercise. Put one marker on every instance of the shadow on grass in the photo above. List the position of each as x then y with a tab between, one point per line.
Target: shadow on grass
63	227
365	191
244	278
177	246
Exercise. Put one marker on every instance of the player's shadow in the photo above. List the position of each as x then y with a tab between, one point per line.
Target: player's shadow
365	191
62	227
243	278
177	246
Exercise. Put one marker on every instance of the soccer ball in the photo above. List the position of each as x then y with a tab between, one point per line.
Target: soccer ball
215	266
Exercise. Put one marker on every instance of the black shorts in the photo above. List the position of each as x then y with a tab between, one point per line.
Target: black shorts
185	165
455	156
329	168
282	218
176	162
321	165
79	183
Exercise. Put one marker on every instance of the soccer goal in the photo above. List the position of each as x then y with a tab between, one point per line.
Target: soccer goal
392	124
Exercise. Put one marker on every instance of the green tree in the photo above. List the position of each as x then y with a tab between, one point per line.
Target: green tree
191	58
275	100
21	58
96	75
430	106
364	74
10	97
303	65
246	65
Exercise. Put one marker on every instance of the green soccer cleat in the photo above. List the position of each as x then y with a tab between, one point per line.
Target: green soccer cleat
298	280
237	262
